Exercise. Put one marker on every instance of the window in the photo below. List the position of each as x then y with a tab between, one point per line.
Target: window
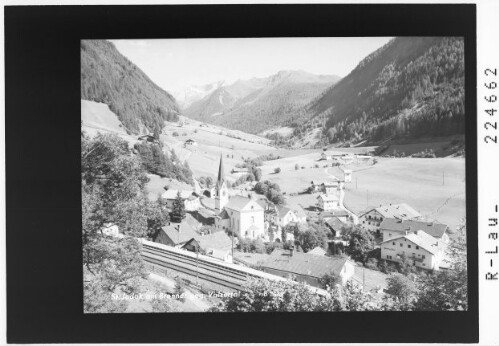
424	264
409	246
389	234
417	247
393	243
401	245
424	256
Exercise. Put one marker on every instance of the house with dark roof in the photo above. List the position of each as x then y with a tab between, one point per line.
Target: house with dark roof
307	268
175	234
280	215
217	245
371	220
335	225
419	248
190	143
393	228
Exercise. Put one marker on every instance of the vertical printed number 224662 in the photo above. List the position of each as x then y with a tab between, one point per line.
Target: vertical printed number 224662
491	99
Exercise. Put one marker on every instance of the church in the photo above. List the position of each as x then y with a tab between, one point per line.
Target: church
238	214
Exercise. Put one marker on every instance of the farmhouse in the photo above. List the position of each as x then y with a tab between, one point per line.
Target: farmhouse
341	214
419	248
336	226
280	215
372	219
393	228
190	143
217	245
307	268
328	202
191	202
328	187
175	234
330	155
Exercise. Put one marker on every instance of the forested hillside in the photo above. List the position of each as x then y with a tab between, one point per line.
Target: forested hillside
110	78
260	103
411	87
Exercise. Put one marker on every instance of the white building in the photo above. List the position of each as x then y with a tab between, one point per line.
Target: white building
191	202
328	202
394	228
330	155
190	143
347	175
372	219
419	248
280	215
221	191
243	216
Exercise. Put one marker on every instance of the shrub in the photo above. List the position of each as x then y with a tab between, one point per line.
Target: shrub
175	134
277	170
297	167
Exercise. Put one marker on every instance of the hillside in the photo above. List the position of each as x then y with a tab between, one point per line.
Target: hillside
409	88
260	103
110	78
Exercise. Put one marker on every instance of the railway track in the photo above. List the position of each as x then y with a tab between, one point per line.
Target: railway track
218	274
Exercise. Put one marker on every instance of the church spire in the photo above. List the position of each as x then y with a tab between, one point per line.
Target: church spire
221	174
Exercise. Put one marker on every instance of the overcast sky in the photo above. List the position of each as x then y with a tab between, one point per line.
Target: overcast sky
174	64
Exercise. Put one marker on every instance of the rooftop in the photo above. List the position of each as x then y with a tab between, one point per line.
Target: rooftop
424	241
401	211
436	230
186	232
172	194
217	240
328	197
335	223
304	263
239	203
317	251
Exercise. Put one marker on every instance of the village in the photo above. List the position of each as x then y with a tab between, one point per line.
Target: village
239	224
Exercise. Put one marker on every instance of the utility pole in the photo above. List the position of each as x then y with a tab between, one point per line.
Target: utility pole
367	198
443	176
356	185
232	233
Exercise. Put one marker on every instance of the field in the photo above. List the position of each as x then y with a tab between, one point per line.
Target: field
435	187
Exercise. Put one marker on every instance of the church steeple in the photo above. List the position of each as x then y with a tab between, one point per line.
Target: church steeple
221	193
221	174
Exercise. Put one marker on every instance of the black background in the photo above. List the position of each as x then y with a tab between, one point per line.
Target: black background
44	271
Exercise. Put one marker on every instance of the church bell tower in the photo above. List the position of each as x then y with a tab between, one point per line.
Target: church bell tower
221	192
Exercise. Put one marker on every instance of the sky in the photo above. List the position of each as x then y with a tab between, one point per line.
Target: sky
175	64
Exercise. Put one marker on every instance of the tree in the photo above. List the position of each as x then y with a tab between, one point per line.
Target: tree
361	242
447	289
178	210
311	238
257	173
330	280
401	287
297	167
277	170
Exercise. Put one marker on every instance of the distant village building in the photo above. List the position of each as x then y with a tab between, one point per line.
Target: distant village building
330	155
190	143
328	202
419	248
393	228
307	268
175	234
372	219
217	245
148	138
347	175
341	214
191	202
110	229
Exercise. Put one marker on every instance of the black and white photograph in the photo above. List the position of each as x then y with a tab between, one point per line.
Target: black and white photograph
273	174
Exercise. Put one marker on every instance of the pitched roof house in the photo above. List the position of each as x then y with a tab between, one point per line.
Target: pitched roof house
175	234
304	267
217	245
393	228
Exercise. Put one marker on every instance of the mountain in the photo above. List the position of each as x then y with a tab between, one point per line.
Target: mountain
258	104
109	77
191	94
412	87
